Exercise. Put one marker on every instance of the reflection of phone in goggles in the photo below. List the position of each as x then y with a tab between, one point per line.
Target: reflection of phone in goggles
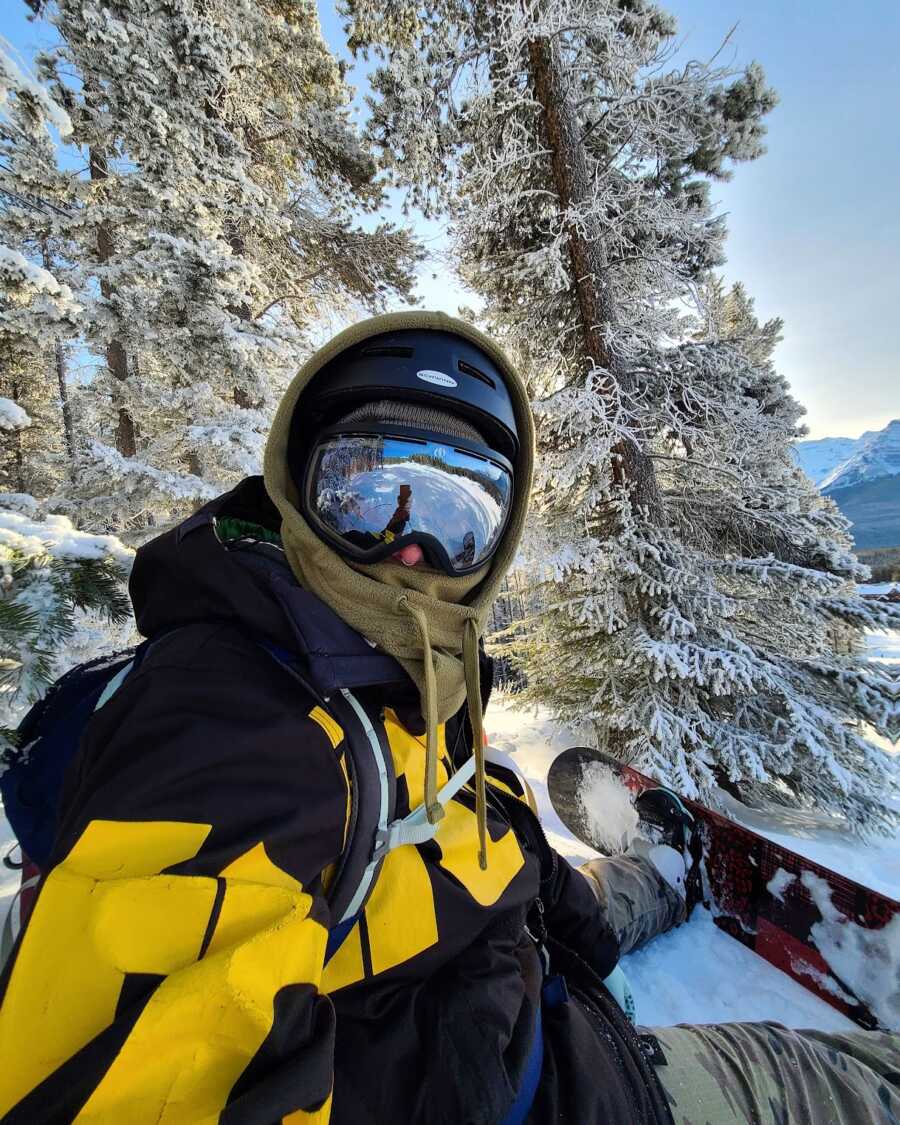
375	489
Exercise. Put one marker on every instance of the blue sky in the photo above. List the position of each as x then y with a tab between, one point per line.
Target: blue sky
814	226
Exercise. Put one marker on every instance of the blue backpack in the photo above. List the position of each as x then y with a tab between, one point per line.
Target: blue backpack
49	737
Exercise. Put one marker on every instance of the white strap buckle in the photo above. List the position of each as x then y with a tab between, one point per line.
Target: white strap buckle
416	828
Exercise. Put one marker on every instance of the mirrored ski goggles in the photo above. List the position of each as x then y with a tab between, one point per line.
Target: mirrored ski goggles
372	493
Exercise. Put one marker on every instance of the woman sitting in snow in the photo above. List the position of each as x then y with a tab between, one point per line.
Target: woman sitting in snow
202	948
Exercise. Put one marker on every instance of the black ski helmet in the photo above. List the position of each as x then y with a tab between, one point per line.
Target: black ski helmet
426	365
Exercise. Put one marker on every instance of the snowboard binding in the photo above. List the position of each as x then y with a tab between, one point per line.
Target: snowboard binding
665	819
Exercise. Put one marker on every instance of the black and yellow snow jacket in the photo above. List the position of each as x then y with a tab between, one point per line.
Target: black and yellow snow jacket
173	969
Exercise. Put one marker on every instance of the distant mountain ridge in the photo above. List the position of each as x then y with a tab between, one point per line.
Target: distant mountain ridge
877	455
862	476
820	458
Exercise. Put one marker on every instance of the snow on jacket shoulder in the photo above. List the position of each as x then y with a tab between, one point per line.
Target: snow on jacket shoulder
173	969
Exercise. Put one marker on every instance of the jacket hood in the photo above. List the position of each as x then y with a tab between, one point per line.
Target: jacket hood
283	491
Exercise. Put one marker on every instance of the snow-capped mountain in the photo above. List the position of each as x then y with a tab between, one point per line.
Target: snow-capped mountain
818	459
862	476
876	455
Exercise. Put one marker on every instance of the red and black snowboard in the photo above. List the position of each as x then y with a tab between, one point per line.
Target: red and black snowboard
773	914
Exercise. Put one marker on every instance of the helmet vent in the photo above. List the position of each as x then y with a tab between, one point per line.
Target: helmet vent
468	369
397	352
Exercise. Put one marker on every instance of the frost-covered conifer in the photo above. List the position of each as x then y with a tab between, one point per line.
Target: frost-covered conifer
62	598
32	458
38	310
768	621
693	581
222	174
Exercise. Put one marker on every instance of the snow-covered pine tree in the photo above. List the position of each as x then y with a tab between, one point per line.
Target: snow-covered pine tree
223	177
61	591
773	583
575	157
32	458
38	312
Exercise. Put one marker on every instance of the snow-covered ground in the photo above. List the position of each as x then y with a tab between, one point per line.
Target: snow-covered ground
697	974
884	647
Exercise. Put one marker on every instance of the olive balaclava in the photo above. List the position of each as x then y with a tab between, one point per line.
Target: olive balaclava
429	621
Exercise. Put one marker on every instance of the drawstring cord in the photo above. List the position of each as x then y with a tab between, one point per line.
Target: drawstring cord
433	808
476	718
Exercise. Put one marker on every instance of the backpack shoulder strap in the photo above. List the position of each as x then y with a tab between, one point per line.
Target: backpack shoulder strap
416	828
370	766
373	791
372	832
115	682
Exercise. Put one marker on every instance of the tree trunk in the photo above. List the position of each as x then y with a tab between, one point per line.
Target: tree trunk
724	782
18	455
632	468
64	404
116	358
243	311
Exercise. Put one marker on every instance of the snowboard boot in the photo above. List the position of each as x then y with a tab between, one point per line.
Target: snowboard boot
665	820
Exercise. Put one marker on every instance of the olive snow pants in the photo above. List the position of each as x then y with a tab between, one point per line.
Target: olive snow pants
749	1073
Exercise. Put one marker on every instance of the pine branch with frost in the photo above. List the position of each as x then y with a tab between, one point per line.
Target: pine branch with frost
40	308
41	108
58	587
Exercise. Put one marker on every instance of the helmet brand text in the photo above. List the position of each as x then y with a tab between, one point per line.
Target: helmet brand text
437	377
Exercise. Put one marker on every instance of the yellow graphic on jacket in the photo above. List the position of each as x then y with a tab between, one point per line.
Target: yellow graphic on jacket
400	916
459	855
457	832
105	912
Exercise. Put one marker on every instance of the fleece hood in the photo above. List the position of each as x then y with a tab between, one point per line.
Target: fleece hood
430	622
